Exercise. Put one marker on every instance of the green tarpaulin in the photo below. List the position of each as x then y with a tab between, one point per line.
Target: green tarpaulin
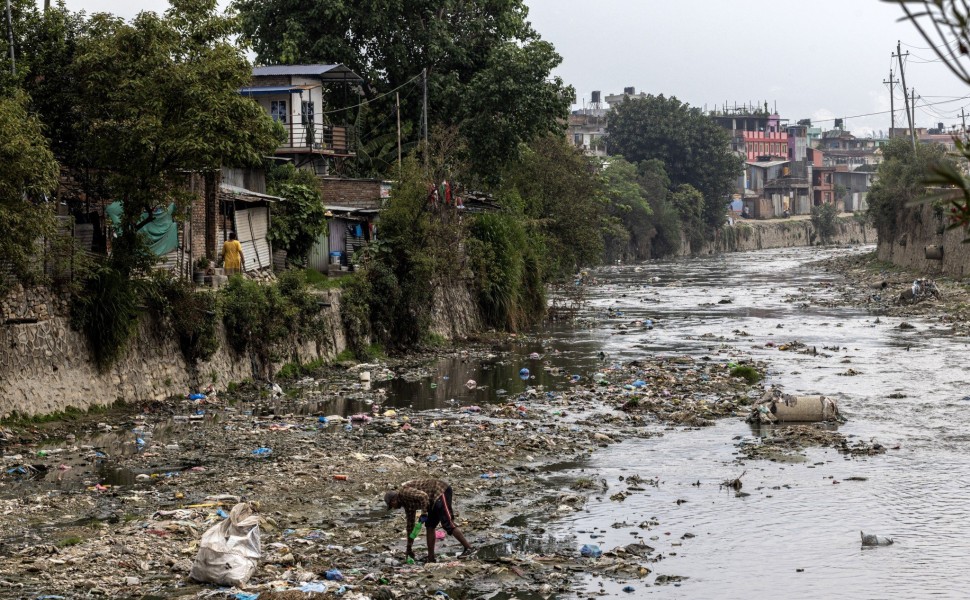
161	232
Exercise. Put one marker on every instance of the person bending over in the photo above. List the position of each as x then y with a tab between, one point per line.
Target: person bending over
433	498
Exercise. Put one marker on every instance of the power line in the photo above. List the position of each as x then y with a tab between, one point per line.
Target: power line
886	112
366	102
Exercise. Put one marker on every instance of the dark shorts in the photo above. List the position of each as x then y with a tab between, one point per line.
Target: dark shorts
441	513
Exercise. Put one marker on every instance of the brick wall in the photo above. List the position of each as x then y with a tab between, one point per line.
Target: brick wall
359	193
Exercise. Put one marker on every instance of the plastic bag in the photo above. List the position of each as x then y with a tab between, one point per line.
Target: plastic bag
229	550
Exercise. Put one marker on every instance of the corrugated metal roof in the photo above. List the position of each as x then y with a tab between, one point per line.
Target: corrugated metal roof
266	90
254	196
326	72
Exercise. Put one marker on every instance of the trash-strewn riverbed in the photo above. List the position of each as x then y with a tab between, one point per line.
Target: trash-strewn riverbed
621	435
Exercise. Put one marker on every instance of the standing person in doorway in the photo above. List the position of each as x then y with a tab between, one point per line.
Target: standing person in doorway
433	497
232	255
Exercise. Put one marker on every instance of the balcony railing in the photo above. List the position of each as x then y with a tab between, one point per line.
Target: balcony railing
320	139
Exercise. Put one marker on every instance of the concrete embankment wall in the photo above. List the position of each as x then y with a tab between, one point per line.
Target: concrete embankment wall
917	228
790	233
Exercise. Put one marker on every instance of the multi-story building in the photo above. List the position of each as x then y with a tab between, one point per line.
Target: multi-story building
586	127
296	97
841	148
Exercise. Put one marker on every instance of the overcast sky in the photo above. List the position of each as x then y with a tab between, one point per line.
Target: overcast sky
820	59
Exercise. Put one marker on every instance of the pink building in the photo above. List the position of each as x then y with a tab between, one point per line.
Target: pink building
771	144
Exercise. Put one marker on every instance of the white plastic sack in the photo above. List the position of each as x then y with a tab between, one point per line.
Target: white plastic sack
229	551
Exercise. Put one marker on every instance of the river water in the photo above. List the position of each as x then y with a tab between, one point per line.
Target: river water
797	534
804	515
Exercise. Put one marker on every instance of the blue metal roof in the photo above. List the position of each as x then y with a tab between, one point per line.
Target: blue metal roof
267	90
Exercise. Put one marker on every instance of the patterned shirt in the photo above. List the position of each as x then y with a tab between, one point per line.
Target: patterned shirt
419	494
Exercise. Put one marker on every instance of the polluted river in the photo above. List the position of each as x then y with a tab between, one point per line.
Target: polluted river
555	469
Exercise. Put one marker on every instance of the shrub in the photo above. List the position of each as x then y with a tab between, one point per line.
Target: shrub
264	319
355	314
193	315
106	310
497	252
824	219
667	224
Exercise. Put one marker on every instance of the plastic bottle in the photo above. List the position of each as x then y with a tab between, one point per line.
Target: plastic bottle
415	530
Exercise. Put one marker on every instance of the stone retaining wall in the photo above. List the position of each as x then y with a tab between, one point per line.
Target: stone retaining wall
917	228
45	366
789	233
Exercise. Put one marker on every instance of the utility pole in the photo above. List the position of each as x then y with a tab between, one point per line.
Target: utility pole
892	105
397	102
902	74
13	59
912	107
424	117
963	117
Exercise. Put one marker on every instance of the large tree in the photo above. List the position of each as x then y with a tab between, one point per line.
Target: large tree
692	148
159	97
27	173
488	71
562	202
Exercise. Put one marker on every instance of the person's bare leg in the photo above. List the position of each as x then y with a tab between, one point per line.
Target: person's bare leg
431	541
458	535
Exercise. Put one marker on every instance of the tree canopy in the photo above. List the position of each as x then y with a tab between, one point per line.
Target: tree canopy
902	180
28	172
159	96
489	72
692	148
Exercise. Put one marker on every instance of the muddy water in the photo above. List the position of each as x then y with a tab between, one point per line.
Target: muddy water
803	515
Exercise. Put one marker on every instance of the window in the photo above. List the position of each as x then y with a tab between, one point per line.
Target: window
277	110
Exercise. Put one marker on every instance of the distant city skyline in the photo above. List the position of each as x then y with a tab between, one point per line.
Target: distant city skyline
822	60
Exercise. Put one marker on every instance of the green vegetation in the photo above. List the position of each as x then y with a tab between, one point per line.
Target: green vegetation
28	173
297	370
901	182
299	220
498	251
70	541
192	314
347	355
825	221
263	320
106	309
749	374
693	149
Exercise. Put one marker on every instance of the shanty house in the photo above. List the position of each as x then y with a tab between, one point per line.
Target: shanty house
302	99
